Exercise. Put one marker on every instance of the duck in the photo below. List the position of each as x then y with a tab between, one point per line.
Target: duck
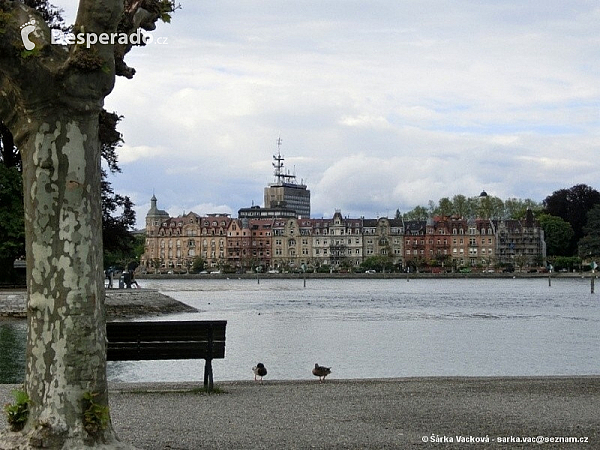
321	372
259	371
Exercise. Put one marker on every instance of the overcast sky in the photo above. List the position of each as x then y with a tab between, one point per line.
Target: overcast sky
380	104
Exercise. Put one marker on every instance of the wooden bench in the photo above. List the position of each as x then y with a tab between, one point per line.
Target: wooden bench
137	341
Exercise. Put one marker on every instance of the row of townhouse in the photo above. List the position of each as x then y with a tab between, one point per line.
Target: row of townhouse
173	243
459	242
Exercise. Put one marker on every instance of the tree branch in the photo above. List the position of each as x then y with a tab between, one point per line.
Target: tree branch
139	14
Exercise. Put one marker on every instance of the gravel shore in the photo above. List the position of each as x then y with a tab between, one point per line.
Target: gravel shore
438	412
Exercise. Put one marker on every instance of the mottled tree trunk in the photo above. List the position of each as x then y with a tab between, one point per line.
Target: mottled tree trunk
66	338
52	100
66	318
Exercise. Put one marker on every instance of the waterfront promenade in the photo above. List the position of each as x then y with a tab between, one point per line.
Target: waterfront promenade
120	303
446	413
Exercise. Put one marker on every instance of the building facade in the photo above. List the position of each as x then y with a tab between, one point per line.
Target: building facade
384	237
340	243
520	242
174	243
337	242
249	243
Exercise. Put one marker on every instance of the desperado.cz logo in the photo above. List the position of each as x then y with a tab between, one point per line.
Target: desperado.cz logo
89	39
59	37
26	29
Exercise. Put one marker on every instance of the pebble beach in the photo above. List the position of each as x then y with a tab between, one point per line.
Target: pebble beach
437	412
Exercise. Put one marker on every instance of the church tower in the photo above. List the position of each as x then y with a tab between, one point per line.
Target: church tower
154	220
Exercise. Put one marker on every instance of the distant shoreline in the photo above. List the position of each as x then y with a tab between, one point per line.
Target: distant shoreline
362	276
358	276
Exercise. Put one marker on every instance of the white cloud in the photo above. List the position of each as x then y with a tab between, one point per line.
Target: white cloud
365	121
380	105
128	154
200	209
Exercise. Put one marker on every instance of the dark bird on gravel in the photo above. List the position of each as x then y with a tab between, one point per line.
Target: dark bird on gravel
259	371
321	372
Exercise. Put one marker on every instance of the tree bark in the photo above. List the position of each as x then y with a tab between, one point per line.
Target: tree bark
66	318
50	100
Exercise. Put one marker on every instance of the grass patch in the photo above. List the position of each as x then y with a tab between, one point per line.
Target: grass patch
195	391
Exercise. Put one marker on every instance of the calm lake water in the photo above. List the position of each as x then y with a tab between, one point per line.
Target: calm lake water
375	328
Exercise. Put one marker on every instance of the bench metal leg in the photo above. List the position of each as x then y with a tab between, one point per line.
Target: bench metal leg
208	375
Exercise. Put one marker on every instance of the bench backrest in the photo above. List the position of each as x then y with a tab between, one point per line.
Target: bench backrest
165	340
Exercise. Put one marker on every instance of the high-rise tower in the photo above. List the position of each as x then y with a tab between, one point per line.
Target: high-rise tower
286	191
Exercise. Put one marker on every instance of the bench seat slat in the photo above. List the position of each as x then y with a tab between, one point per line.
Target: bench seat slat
165	335
118	351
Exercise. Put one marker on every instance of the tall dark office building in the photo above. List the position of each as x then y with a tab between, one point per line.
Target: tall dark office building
286	192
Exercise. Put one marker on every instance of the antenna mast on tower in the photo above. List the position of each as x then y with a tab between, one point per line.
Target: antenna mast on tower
280	175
